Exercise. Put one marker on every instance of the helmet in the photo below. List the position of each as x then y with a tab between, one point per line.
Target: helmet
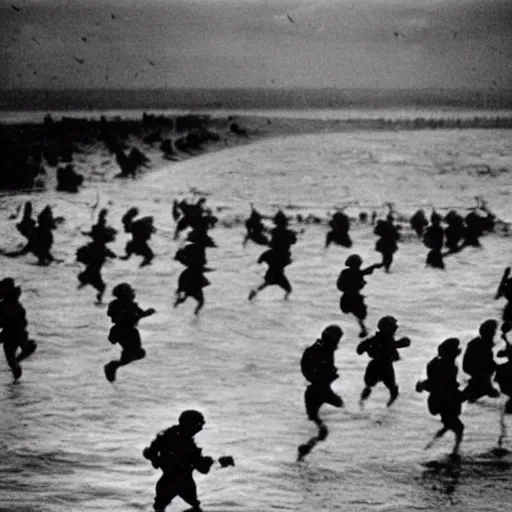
122	290
451	216
354	261
7	287
45	218
488	327
435	217
449	347
332	333
387	323
191	418
280	219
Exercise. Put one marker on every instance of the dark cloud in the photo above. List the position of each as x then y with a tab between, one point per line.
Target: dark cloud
346	43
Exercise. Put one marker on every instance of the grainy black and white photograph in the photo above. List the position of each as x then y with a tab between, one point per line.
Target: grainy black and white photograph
255	255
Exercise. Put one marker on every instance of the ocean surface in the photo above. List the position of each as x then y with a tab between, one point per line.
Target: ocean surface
71	441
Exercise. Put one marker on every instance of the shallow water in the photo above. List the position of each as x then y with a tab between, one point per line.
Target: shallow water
72	441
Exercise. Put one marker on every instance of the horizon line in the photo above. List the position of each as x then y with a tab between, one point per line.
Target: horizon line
256	88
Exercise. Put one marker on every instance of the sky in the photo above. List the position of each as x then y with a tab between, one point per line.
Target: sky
256	43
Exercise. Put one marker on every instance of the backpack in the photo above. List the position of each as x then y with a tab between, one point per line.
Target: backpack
470	361
84	254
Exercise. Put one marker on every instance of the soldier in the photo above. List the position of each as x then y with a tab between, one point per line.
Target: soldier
13	325
125	313
141	231
434	240
317	365
445	397
175	452
256	230
383	351
350	282
277	257
387	243
419	222
340	225
479	364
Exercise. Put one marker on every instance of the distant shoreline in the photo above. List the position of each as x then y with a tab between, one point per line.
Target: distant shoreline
27	148
257	98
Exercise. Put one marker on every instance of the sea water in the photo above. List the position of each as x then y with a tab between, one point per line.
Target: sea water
71	441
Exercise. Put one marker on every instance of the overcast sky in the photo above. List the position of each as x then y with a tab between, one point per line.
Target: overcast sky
256	43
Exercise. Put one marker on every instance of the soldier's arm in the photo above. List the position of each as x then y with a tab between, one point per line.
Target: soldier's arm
371	268
141	313
403	342
201	462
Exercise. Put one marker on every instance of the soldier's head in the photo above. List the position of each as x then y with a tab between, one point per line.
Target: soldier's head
388	325
354	261
123	291
280	219
331	335
191	421
435	218
8	289
449	348
488	329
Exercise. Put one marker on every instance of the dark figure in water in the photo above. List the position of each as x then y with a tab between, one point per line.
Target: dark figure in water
101	231
190	284
478	362
13	324
419	222
192	280
190	214
383	351
68	180
175	452
256	230
503	378
94	255
40	237
505	290
434	240
317	365
387	243
141	231
281	237
338	234
277	257
350	282
130	163
478	224
199	233
193	255
454	231
125	314
444	397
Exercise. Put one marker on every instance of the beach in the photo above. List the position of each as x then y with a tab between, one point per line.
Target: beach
35	138
185	186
